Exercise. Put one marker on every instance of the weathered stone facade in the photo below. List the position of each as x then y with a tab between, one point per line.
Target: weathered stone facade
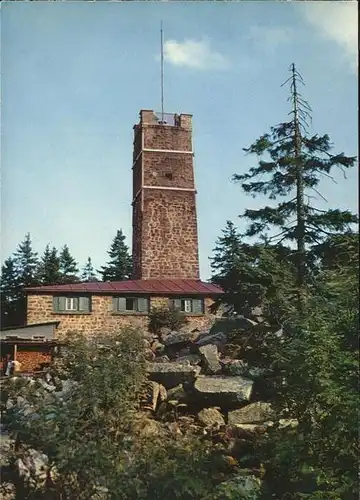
165	240
102	319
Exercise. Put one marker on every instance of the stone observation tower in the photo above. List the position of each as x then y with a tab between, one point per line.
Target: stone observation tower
165	240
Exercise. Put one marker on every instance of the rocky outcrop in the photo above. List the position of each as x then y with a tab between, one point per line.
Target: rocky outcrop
194	386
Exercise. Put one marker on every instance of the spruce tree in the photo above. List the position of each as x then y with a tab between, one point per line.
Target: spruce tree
49	267
68	267
254	277
26	266
293	167
88	273
10	294
26	262
119	267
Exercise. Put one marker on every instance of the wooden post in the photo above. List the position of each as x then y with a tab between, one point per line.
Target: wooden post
15	351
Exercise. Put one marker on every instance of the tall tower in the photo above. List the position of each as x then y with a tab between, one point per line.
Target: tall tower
165	240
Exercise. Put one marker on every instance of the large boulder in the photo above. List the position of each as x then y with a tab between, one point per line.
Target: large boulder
179	338
211	417
223	391
253	413
230	324
239	367
189	359
171	374
210	358
219	339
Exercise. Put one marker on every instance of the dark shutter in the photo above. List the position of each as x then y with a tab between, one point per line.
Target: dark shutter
142	304
84	304
59	304
119	304
198	306
177	304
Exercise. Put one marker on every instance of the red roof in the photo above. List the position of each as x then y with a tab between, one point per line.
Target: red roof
150	286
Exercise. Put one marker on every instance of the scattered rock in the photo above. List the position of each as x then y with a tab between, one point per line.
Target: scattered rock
177	393
179	338
162	359
33	467
253	413
220	390
288	422
211	417
210	357
171	374
164	331
149	355
230	324
157	347
252	428
218	339
189	359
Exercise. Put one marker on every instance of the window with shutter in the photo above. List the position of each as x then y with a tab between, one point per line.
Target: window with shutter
198	306
130	304
70	305
84	304
188	305
142	304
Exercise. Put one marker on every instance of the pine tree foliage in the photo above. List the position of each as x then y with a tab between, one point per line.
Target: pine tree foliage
26	262
318	357
252	276
119	267
10	293
292	164
68	266
49	267
88	273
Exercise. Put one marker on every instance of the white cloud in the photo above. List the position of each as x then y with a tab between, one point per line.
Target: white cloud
337	21
195	54
268	39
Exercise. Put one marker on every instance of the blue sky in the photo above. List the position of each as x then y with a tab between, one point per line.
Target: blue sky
75	76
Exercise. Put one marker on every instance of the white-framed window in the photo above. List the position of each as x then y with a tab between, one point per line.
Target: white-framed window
71	304
188	305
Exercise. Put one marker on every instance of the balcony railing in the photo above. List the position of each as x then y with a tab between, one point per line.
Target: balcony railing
171	119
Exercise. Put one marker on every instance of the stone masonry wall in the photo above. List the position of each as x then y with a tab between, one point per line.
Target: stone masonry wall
168	169
169	236
167	137
101	320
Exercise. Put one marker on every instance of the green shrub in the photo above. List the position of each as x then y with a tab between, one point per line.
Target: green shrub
161	317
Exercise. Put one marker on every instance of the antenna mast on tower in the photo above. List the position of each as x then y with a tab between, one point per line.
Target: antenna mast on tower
162	71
